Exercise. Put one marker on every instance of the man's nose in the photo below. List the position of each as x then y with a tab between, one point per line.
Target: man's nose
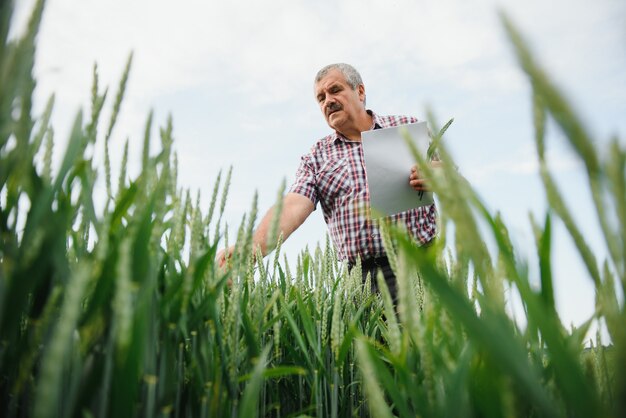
329	102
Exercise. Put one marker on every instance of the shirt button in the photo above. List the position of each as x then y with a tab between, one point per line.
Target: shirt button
374	235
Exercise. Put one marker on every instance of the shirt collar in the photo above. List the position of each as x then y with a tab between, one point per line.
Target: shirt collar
377	122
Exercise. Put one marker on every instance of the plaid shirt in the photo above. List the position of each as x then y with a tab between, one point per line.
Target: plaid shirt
333	174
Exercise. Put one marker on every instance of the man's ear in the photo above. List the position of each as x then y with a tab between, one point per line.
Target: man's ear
361	90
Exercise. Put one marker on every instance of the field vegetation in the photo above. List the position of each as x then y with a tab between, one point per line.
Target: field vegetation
120	310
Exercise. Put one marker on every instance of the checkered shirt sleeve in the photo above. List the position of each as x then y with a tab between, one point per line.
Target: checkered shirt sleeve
304	183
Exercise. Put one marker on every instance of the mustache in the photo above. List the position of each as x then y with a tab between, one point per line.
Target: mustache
333	107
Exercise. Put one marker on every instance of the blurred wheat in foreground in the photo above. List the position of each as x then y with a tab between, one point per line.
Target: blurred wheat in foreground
120	310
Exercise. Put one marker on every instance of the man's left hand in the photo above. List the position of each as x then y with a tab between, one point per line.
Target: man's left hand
417	180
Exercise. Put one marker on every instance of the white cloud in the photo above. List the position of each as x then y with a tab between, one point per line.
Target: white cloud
521	162
244	47
276	43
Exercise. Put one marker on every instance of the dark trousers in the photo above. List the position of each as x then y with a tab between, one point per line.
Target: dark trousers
372	266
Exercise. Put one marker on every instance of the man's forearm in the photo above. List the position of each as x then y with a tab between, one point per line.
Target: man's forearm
295	210
259	240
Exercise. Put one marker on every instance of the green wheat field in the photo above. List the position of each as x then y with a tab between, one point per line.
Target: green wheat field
120	310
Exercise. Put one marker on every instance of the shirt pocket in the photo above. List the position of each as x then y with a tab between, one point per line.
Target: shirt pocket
334	180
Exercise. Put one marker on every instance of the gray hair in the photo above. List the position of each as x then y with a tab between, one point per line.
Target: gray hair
349	72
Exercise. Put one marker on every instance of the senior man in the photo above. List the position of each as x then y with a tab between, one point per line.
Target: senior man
333	175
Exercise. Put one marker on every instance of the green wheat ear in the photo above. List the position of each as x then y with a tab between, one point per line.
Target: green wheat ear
44	127
225	192
121	182
197	231
279	243
97	103
394	335
249	232
47	156
390	249
114	114
275	223
434	144
145	154
216	187
119	97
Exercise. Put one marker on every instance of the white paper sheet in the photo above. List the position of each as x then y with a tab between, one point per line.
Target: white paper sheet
388	162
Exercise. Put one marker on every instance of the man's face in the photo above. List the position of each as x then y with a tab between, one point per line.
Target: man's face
339	103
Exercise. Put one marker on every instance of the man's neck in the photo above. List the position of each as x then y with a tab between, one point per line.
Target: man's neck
364	123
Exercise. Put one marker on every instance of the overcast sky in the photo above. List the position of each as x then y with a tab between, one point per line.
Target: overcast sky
237	77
